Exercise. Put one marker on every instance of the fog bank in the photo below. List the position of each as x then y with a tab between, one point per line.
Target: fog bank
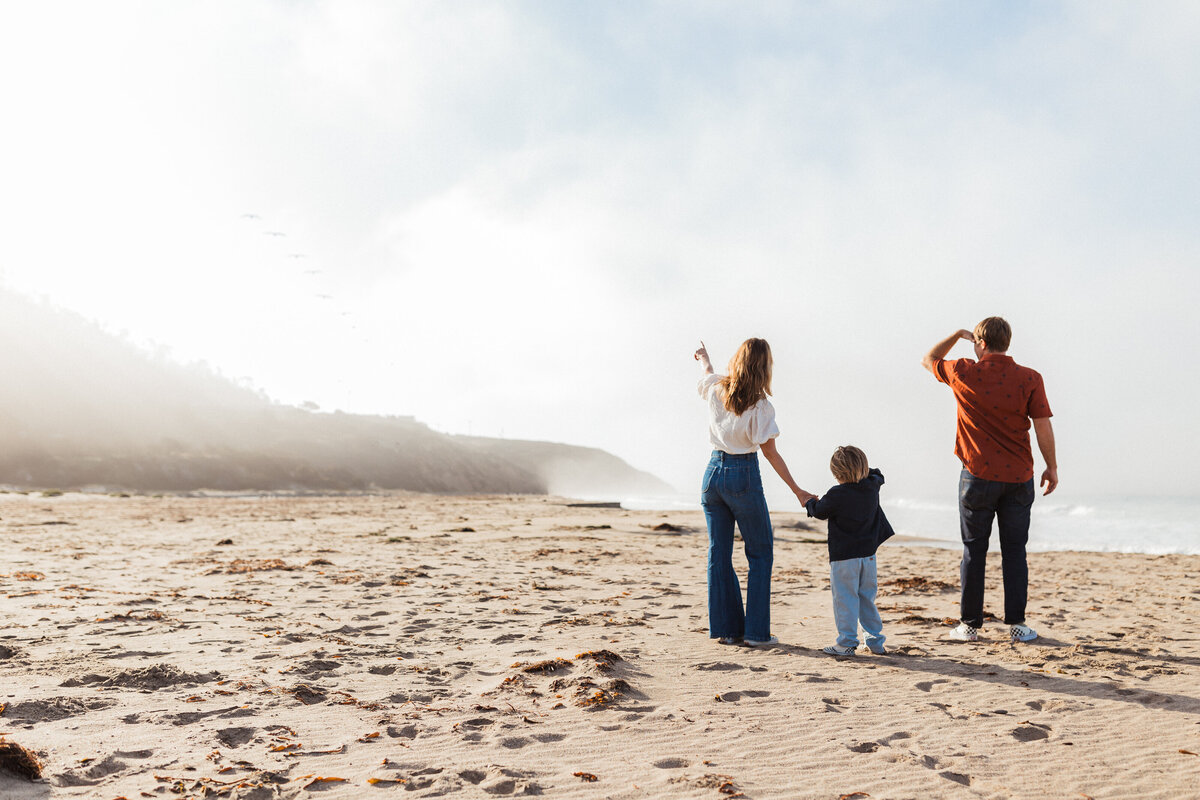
83	408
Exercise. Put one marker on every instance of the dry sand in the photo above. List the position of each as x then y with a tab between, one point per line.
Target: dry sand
414	645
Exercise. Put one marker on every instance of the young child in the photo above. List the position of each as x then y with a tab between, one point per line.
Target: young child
857	526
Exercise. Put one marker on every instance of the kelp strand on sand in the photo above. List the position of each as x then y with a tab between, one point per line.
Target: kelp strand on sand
19	761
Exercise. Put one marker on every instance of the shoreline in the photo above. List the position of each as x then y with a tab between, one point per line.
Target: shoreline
499	645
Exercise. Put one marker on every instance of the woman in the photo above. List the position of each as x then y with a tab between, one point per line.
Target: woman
740	421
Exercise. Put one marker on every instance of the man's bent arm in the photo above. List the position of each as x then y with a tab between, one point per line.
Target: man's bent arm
1044	432
943	348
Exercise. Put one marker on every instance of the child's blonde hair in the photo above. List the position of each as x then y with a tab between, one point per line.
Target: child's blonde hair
749	378
849	464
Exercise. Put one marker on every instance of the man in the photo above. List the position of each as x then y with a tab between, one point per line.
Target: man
997	398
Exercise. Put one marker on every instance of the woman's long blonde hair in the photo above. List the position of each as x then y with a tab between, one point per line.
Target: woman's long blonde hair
749	378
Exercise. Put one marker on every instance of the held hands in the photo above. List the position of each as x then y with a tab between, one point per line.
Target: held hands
804	496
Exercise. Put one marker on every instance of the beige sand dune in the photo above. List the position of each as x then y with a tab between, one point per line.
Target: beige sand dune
416	645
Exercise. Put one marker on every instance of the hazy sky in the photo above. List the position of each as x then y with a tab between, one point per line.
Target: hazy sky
518	219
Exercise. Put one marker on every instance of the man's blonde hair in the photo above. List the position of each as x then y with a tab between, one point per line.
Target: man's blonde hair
849	464
995	333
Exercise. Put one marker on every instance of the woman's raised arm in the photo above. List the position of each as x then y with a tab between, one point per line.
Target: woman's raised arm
701	355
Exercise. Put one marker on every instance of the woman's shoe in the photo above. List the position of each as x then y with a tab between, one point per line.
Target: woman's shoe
760	642
729	640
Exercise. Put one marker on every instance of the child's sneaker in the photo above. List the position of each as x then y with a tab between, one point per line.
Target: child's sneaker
965	633
1022	633
834	650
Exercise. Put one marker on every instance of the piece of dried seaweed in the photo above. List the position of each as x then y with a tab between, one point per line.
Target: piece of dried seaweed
19	761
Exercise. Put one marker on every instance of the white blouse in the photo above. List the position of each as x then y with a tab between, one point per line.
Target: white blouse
730	432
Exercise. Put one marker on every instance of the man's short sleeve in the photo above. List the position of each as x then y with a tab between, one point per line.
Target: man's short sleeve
1039	406
945	370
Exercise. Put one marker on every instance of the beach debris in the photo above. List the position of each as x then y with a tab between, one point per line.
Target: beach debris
19	760
133	616
603	660
852	795
543	667
155	676
601	697
29	576
1189	753
308	695
722	783
224	542
917	584
242	565
918	619
586	777
53	709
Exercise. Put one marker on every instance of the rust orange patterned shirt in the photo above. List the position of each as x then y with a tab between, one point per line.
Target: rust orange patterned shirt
996	397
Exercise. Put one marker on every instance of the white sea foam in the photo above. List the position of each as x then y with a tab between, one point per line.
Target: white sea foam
1121	525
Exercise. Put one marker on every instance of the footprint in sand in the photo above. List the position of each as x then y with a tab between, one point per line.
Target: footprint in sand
472	776
863	747
407	732
234	737
819	679
1030	733
550	737
956	777
95	773
478	722
514	742
925	686
672	763
719	666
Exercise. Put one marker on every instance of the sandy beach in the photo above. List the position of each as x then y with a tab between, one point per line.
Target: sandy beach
419	645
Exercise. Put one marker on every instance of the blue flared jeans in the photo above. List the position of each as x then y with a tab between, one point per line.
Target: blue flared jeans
732	493
981	501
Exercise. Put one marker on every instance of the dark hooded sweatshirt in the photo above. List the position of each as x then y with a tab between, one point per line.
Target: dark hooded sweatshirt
857	525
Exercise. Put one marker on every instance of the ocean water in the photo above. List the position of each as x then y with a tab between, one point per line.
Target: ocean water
1107	524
